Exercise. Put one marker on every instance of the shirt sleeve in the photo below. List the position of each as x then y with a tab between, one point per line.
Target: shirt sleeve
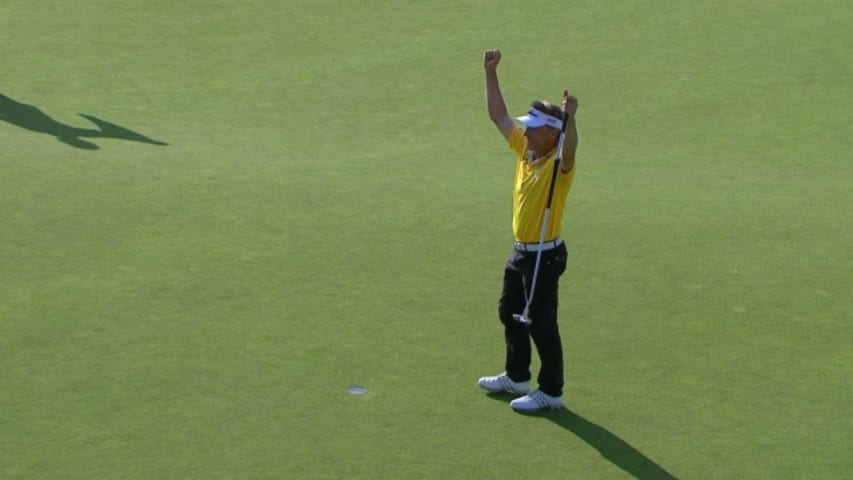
517	142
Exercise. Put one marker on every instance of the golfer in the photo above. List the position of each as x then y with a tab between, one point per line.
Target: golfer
535	150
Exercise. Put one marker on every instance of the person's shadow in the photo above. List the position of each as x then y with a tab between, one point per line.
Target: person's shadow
610	446
31	118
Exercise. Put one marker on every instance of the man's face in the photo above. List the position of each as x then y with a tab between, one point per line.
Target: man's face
541	139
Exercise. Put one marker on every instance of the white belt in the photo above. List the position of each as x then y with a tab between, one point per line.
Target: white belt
534	247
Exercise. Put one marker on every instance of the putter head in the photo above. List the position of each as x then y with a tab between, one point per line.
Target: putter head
522	318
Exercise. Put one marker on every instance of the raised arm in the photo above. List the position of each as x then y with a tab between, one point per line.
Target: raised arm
570	143
494	98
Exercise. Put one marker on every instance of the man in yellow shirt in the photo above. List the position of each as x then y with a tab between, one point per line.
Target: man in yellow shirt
539	255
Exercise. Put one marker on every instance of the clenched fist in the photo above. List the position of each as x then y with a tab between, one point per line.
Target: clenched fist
570	103
491	58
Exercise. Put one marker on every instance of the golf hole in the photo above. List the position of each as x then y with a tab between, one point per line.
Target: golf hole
356	390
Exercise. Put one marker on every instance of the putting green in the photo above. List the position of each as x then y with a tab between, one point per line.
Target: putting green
264	204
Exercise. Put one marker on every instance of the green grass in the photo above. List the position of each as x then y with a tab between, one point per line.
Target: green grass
332	207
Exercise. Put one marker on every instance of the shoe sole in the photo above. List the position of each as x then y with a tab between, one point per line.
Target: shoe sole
542	409
504	390
511	392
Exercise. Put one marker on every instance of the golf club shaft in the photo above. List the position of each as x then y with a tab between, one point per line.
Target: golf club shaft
538	259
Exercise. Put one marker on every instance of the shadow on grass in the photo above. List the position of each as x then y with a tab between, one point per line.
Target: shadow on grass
610	446
31	118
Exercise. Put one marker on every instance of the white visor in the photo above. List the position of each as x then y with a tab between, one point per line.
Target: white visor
535	118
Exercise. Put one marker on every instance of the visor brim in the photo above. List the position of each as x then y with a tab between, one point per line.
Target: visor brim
531	121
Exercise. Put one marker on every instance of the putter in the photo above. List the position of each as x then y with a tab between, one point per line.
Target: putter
524	317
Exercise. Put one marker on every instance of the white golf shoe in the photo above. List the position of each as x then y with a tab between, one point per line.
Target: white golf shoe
502	383
536	401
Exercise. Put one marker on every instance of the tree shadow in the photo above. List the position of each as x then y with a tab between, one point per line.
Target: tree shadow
610	446
31	118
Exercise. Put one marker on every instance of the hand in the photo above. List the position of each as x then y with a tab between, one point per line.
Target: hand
491	58
570	103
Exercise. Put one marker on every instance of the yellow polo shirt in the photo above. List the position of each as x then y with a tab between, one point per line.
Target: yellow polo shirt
530	192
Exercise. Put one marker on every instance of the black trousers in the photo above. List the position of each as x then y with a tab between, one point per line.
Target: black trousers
518	277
